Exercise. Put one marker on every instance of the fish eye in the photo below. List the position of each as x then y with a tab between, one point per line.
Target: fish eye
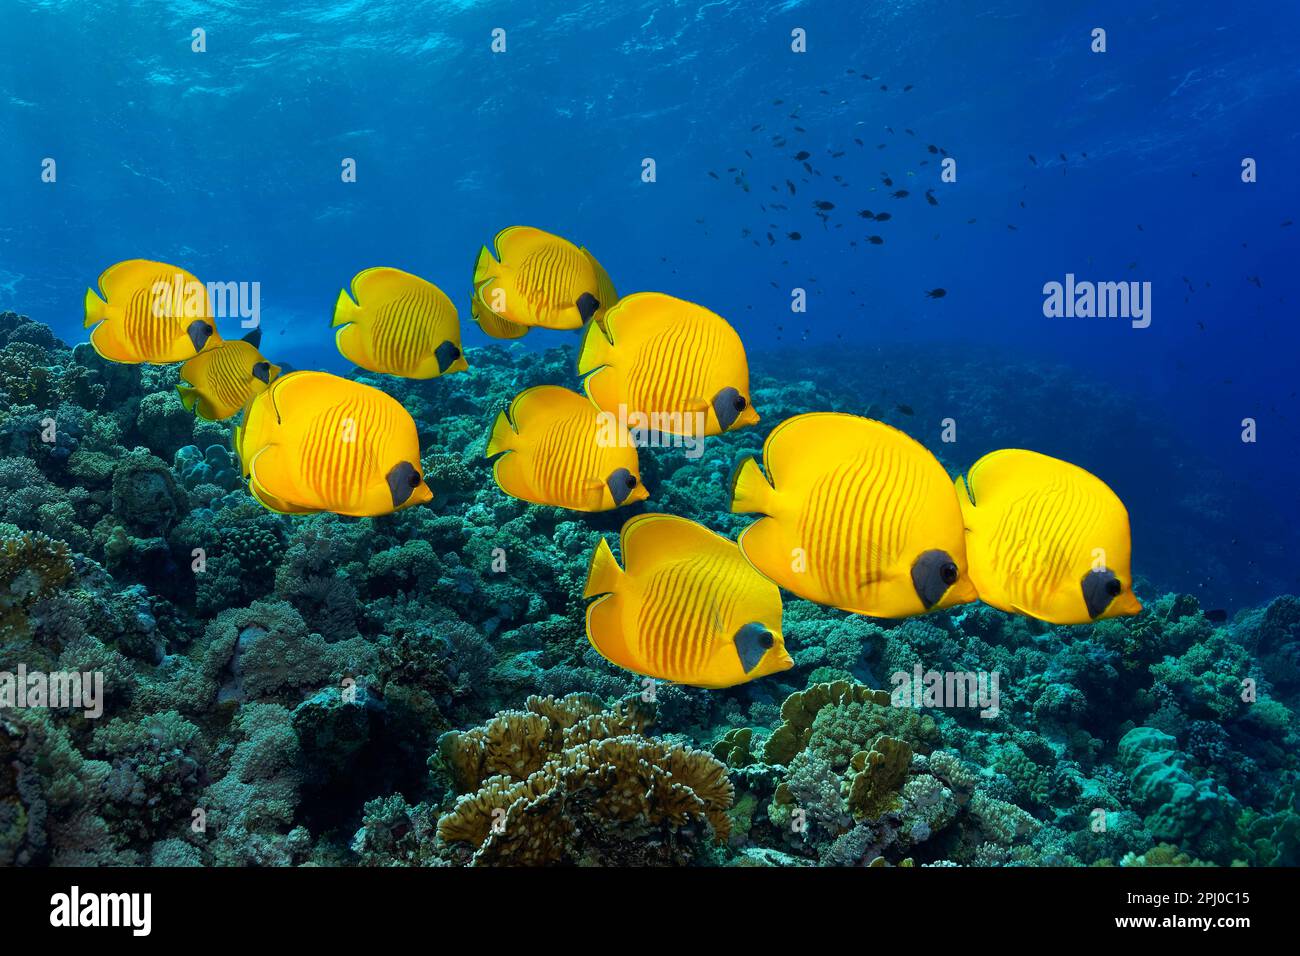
1113	587
631	481
948	573
740	403
766	641
414	479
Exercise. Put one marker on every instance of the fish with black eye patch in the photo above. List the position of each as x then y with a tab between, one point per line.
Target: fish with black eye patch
687	607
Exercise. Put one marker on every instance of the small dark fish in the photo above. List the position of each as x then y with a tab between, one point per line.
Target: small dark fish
793	235
837	155
906	409
1287	222
756	127
875	240
929	197
1218	615
883	87
887	181
933	149
770	240
908	88
909	132
866	214
1032	160
713	174
800	129
1063	159
937	293
901	194
1012	228
1254	280
802	155
858	141
823	204
884	216
790	186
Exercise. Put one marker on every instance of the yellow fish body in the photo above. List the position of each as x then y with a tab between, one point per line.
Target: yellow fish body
537	279
859	516
494	325
669	359
688	608
225	376
399	324
559	450
317	442
150	312
500	327
1046	538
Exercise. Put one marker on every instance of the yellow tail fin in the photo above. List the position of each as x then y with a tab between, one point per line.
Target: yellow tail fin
485	267
604	576
189	396
345	310
96	309
596	349
503	437
750	490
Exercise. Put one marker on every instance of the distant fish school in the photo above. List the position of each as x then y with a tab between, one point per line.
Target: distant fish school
852	513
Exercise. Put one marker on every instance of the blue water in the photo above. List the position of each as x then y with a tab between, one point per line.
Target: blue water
228	162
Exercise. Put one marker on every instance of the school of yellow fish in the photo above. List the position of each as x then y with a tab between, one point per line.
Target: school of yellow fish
853	513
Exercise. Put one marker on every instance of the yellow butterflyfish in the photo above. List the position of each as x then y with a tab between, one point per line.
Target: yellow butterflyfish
688	608
537	279
224	377
398	324
671	360
1046	538
317	442
858	516
150	312
558	449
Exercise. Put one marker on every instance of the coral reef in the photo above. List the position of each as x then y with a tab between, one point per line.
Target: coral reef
417	689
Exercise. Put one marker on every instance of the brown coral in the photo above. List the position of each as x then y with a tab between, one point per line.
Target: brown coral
32	567
800	709
542	776
876	776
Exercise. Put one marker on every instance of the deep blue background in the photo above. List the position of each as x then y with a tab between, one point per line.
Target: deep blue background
228	162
